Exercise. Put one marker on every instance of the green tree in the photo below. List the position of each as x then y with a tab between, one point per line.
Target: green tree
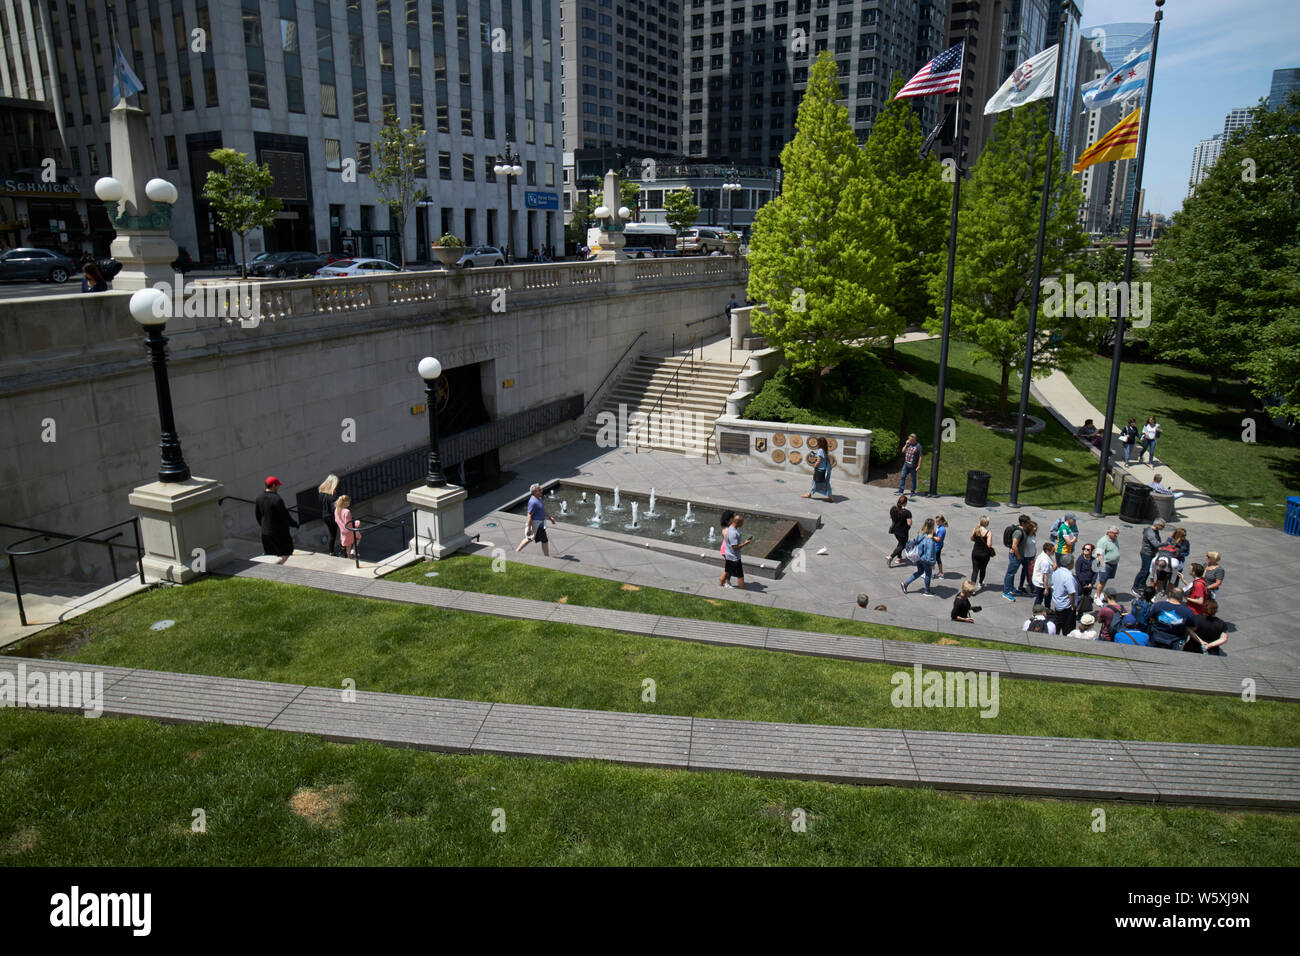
1224	272
821	253
912	189
584	216
1106	264
238	196
398	173
629	194
680	209
996	239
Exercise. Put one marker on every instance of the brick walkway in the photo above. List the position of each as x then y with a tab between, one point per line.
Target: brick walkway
1264	778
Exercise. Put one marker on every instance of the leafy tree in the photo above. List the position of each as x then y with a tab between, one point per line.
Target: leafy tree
996	239
821	253
912	189
398	172
1104	265
680	208
629	194
1225	270
238	196
584	216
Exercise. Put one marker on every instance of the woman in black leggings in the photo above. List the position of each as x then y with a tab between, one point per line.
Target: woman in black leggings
900	524
979	552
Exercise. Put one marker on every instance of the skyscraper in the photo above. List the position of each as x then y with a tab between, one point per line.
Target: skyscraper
1236	119
1204	156
1284	81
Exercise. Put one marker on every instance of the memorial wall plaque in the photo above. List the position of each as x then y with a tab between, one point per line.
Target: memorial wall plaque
733	443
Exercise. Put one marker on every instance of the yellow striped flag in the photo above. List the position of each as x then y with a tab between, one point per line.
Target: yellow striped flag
1119	143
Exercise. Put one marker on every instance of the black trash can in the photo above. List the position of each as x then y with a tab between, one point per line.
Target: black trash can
977	488
1133	506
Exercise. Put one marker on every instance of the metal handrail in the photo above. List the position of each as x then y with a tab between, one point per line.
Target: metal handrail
13	553
358	526
708	459
615	366
658	405
248	501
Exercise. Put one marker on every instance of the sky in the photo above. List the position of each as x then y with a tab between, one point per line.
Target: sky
1213	55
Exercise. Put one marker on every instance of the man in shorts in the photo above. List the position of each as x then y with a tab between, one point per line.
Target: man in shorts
535	530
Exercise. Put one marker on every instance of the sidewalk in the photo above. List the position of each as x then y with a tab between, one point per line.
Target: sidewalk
1071	409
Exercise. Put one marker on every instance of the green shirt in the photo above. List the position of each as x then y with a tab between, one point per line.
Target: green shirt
1107	550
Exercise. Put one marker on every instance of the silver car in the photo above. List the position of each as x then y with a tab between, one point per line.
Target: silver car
42	264
481	256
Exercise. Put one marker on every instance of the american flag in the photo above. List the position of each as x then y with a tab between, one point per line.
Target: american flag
940	75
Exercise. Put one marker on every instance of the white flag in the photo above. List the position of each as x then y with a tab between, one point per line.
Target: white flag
1032	80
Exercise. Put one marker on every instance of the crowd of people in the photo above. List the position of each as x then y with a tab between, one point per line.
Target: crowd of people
1071	579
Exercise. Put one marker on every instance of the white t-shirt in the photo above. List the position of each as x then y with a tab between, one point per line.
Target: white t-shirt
1042	568
1089	635
1151	431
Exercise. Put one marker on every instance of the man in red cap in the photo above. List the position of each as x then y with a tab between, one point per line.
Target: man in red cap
275	520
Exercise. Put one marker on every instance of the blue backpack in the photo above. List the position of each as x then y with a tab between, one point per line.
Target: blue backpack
1132	636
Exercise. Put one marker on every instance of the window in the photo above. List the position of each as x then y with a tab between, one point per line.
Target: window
363	157
329	100
550	174
532	173
169	145
467	167
444	165
333	155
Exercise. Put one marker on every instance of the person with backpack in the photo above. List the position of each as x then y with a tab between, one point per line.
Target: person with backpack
1170	620
1066	534
923	546
900	526
1198	593
1128	437
819	456
911	463
1150	545
1013	538
1110	617
1141	611
1039	624
940	533
981	550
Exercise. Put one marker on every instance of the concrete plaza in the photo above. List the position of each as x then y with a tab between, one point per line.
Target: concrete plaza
1262	564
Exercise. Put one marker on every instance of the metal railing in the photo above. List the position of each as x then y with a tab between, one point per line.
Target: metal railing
592	400
370	522
13	552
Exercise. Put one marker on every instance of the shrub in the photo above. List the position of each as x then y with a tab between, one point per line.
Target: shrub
860	393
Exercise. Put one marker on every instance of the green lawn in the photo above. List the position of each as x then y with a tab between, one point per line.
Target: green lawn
1056	471
109	792
278	632
474	573
1201	434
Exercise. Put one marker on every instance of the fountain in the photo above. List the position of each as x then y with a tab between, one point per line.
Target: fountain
564	506
690	518
595	522
584	497
633	526
616	506
650	511
711	537
672	530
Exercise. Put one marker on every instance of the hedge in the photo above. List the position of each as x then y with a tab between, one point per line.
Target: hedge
860	393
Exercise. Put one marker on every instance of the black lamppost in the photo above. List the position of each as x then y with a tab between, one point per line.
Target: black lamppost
508	166
149	308
430	368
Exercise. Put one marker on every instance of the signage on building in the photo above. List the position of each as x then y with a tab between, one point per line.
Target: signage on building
533	200
25	187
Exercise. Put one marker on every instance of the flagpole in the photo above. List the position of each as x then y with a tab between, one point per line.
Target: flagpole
1026	374
1118	348
958	156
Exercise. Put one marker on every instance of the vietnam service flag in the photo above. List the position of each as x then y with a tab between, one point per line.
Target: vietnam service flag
1119	143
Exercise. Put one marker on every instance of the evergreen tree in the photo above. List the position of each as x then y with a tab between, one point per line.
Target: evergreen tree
912	192
996	239
1225	270
821	253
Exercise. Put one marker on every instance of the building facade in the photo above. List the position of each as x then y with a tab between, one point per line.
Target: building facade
1204	156
1236	119
1284	82
622	75
745	67
304	87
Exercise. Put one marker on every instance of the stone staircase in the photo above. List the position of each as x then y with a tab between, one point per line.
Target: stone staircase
683	420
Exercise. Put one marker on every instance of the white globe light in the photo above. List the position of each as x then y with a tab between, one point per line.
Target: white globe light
160	190
516	170
150	307
499	169
602	212
429	368
109	189
624	212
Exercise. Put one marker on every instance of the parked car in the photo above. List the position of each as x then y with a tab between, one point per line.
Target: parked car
357	267
282	265
41	264
700	240
481	256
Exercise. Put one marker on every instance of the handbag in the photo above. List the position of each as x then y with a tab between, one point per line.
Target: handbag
912	552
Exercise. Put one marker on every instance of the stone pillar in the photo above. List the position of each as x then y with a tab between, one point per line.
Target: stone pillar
180	528
439	520
144	244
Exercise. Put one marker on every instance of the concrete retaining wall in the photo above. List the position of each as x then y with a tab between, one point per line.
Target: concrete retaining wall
773	444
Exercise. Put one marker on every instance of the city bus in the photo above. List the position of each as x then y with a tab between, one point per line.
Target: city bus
644	240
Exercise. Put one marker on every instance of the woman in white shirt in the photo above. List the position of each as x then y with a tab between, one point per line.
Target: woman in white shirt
1086	631
1150	432
1043	566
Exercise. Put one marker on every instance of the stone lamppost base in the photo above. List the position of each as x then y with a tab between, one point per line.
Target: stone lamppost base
439	520
610	244
180	528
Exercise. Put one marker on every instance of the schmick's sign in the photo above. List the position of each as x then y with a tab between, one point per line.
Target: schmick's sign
25	187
